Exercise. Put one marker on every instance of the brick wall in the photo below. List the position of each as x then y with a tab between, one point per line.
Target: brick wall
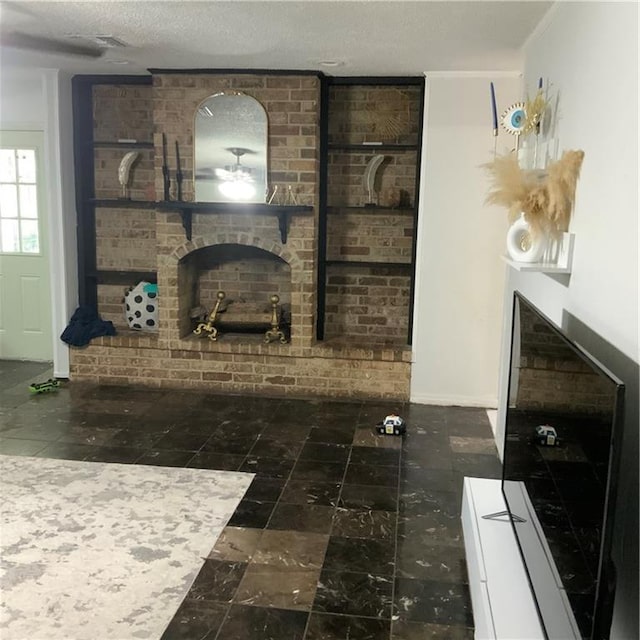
111	304
395	179
292	106
122	111
125	241
374	114
252	262
291	103
383	235
361	114
369	304
247	368
253	279
141	176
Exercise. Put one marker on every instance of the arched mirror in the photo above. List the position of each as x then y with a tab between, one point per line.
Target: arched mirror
230	149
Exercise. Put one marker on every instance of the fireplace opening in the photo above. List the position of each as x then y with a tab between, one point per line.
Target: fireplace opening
244	280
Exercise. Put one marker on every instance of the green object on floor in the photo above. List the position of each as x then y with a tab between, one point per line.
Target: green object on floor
44	387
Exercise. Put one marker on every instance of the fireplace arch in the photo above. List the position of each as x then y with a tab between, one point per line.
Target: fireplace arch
240	239
246	272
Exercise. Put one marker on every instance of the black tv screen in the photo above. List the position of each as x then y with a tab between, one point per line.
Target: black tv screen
559	467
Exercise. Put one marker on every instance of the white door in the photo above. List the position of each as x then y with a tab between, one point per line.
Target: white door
25	300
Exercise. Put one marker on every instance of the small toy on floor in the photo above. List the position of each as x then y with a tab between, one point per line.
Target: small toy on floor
547	436
44	387
392	425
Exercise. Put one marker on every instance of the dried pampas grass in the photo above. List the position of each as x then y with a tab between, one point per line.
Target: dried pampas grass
510	184
545	197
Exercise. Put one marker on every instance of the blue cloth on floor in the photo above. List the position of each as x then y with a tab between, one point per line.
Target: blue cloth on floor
85	324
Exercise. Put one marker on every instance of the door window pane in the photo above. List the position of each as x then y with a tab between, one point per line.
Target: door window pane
8	201
7	165
28	201
19	228
26	165
29	236
10	236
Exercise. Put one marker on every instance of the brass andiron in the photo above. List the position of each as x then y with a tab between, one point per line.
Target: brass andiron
208	325
275	333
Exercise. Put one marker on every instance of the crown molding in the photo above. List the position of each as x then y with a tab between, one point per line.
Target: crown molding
541	27
473	74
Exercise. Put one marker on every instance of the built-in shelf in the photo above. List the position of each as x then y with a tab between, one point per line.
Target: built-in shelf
122	203
114	144
556	261
536	267
371	147
107	276
187	209
282	212
370	209
355	125
372	265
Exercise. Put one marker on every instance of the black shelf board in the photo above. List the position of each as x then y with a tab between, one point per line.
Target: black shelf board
123	203
372	147
417	81
373	265
236	71
282	212
114	144
91	79
375	209
260	208
108	276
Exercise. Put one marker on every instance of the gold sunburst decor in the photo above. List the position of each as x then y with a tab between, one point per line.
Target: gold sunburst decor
387	118
534	110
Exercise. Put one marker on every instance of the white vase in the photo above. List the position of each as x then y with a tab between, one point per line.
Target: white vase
522	245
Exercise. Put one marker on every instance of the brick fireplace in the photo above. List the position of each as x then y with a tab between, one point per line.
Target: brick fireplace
230	252
245	275
241	253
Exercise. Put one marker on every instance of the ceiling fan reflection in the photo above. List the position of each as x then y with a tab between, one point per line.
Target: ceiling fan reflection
236	179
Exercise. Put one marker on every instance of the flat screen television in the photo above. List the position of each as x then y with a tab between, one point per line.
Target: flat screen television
559	468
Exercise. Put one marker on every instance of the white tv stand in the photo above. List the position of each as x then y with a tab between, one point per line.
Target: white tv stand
503	605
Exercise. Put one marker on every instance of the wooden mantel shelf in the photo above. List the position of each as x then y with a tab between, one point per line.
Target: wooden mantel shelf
282	212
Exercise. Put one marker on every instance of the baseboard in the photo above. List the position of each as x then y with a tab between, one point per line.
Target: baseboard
483	402
492	415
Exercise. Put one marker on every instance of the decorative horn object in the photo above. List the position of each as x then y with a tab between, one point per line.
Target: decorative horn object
124	170
370	177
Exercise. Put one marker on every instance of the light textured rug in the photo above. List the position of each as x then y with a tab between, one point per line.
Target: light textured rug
108	551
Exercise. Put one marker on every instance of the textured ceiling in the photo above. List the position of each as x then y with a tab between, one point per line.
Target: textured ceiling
364	37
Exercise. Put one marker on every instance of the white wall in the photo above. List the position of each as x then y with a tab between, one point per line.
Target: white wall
61	186
459	274
22	105
588	53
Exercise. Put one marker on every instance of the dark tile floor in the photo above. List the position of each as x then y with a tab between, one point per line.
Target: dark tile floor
343	534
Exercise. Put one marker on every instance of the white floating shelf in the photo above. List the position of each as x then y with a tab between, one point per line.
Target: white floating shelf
559	257
539	267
